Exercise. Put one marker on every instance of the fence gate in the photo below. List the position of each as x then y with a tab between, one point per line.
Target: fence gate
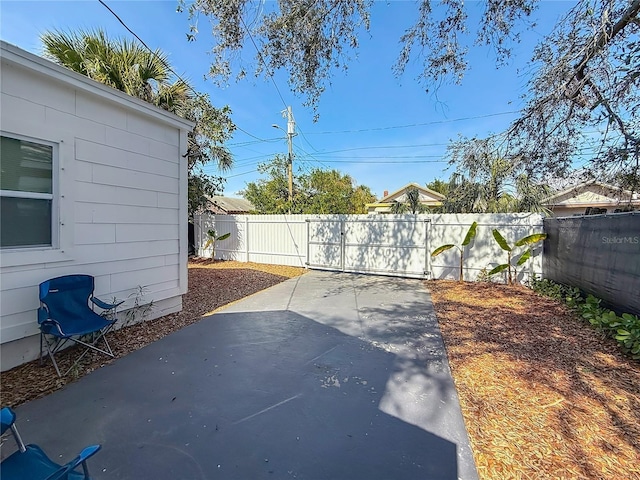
382	245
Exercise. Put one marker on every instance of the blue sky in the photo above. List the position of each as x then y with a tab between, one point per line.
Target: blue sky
383	131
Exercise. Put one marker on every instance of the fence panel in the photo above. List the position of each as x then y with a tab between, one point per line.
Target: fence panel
483	253
274	239
388	244
325	242
600	254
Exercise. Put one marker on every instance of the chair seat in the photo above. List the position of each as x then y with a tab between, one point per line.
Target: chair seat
75	325
33	464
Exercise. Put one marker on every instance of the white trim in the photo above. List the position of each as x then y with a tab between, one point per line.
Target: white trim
62	238
12	54
21	194
53	196
437	196
183	217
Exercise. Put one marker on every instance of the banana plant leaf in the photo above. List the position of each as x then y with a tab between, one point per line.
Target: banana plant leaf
441	249
224	237
530	239
470	234
501	241
524	257
499	269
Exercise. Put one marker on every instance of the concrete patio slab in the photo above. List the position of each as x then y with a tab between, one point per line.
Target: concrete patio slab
325	376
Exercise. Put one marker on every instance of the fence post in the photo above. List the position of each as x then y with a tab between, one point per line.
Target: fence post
200	235
246	238
427	257
342	244
308	246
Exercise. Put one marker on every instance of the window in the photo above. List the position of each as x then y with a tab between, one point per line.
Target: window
27	187
595	211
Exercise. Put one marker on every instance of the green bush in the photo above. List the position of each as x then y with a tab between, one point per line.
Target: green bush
624	328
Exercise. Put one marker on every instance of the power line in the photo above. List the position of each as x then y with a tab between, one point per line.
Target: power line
380	147
435	122
243	173
253	142
196	93
250	134
312	157
392	162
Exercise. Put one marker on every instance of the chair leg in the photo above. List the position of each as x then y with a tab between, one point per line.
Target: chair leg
51	351
53	359
53	348
18	438
92	346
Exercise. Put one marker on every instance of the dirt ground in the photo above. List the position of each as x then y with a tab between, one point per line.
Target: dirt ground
543	394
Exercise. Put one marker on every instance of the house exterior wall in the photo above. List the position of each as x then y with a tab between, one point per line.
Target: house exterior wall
428	198
560	211
120	193
577	200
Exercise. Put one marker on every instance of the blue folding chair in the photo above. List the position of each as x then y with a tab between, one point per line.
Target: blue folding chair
65	315
29	462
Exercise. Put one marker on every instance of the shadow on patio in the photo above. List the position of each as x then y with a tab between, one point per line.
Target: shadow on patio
252	395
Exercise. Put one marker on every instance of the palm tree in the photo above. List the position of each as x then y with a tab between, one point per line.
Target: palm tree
411	204
495	189
131	68
121	64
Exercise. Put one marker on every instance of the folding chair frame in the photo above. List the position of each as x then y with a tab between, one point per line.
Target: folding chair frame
55	342
59	472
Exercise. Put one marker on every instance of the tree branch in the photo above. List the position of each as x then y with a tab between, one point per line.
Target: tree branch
605	37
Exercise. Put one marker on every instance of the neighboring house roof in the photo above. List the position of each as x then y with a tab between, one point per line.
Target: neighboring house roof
428	197
592	194
230	205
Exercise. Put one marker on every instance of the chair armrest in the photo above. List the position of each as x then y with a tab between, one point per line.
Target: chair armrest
104	305
8	417
81	459
49	325
87	452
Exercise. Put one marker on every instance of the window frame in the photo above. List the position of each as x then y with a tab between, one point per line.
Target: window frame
53	196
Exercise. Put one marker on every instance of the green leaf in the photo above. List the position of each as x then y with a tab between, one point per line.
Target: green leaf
499	269
470	234
441	249
530	239
501	241
525	256
224	237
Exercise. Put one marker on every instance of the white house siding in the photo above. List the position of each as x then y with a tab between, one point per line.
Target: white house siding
121	195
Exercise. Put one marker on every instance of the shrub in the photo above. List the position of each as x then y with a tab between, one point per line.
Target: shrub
624	328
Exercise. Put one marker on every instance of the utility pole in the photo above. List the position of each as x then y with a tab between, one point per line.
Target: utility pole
291	132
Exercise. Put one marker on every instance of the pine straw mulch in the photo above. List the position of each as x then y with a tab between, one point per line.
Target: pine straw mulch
543	394
211	286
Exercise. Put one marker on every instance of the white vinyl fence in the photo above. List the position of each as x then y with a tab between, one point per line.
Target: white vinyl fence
398	245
